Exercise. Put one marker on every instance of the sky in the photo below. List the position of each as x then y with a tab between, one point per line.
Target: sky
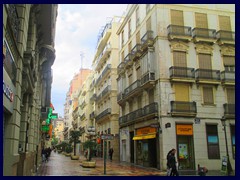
77	29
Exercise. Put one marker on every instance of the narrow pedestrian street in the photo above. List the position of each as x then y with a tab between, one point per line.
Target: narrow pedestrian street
60	165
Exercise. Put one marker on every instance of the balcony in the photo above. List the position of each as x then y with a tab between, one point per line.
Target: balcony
225	37
128	60
106	91
147	40
148	112
148	80
120	97
103	114
176	32
136	52
229	110
92	84
83	116
181	74
83	104
104	55
104	35
133	89
181	108
228	77
120	68
106	70
92	115
207	76
94	97
204	35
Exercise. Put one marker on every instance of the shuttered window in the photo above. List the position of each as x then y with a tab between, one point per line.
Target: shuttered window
122	38
151	96
229	63
139	99
138	39
205	66
180	64
139	73
137	17
122	56
129	29
231	95
201	20
208	96
177	17
182	92
224	23
149	24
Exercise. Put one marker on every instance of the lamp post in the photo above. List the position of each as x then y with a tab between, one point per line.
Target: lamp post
229	167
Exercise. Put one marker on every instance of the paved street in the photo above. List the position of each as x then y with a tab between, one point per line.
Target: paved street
60	165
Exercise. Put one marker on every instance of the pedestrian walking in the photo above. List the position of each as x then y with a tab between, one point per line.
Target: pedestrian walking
110	152
44	159
173	163
169	169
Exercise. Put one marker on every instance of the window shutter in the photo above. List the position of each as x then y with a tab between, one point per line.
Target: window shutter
177	17
138	39
229	60
201	20
208	95
224	23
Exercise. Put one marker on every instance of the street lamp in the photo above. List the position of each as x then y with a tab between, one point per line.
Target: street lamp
229	167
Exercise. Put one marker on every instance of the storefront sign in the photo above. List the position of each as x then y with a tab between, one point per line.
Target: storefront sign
8	91
146	130
184	129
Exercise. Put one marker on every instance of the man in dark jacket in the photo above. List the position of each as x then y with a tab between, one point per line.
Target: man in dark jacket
172	163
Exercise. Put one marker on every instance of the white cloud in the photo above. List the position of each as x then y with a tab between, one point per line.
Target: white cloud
77	31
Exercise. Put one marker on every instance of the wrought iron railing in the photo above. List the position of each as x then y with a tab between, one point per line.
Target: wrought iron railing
132	87
182	72
207	74
183	107
228	75
136	48
104	113
106	69
229	109
179	30
120	96
147	36
204	33
225	35
150	76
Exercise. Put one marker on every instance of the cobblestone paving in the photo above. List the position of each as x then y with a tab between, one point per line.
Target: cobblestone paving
60	165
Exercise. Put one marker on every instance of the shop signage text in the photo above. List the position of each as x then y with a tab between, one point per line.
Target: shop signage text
184	129
7	91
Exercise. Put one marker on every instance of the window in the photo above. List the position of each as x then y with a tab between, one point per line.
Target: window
138	73
201	20
208	96
212	142
224	23
230	95
229	63
137	17
151	96
177	17
138	39
149	24
233	139
139	99
122	56
130	47
179	60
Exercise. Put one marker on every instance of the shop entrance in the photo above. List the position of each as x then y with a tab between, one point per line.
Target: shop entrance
185	148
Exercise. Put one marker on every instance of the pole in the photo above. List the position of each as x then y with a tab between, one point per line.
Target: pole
105	149
229	167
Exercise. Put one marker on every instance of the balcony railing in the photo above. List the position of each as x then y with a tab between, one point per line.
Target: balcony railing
179	30
120	67
104	113
225	35
132	87
106	69
139	113
207	74
204	33
184	108
150	76
120	96
147	39
128	60
106	90
136	51
229	109
94	97
83	116
228	76
181	72
98	80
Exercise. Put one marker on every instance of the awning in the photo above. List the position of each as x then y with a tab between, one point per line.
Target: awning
144	136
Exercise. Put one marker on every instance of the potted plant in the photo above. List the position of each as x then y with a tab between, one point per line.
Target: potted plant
68	150
89	147
74	138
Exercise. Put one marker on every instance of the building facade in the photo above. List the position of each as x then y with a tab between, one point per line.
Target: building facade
105	66
176	84
28	53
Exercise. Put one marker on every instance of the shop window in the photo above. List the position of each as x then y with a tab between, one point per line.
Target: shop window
212	142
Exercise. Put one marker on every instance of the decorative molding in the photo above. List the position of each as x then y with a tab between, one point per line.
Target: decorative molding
227	51
179	46
204	49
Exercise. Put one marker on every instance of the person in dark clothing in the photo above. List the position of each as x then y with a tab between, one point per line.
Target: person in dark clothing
110	152
172	163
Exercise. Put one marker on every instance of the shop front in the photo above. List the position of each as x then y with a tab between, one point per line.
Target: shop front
185	146
146	146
